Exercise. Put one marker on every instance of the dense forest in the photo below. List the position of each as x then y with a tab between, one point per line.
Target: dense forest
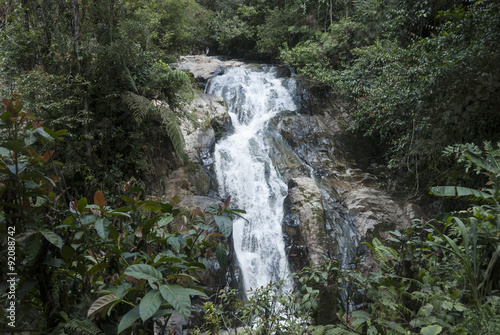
87	247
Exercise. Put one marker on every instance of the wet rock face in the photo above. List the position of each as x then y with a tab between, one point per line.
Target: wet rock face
352	208
304	223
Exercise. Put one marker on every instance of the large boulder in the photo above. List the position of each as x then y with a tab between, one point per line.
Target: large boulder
207	117
204	67
304	222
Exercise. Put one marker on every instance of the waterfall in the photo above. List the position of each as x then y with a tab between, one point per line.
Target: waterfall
245	171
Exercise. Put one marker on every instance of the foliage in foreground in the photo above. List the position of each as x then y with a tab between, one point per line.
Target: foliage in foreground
83	265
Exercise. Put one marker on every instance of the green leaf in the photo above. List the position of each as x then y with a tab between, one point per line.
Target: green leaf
457	191
128	319
165	221
150	304
82	204
102	227
52	237
225	224
88	219
178	297
193	292
100	303
32	246
361	317
221	254
431	330
174	242
122	290
143	271
15	146
395	326
54	262
44	134
67	253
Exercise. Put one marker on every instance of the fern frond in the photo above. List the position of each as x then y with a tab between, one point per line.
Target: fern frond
77	327
178	78
127	78
139	106
382	252
175	134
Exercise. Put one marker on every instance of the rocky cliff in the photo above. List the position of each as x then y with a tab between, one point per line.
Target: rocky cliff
332	204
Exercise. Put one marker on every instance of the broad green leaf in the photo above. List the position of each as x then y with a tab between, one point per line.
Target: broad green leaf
44	134
129	319
361	317
122	289
447	305
4	152
220	253
174	242
29	138
144	271
225	224
54	262
96	268
431	330
82	204
100	303
87	219
193	292
52	237
457	191
32	246
147	226
165	221
150	304
178	297
395	326
151	205
67	253
15	146
102	227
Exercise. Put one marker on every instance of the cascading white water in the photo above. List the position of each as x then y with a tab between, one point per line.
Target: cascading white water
245	172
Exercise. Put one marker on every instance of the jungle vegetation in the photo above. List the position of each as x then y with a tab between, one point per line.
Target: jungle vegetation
95	252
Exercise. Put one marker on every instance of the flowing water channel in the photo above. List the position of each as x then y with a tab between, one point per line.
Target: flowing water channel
245	170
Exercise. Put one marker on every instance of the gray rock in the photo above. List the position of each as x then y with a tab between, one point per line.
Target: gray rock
304	223
204	67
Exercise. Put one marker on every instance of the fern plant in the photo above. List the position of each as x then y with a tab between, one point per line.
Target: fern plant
141	107
385	255
76	326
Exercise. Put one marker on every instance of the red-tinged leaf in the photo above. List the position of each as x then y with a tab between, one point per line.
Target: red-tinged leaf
47	155
16	106
131	279
99	199
228	200
7	105
198	212
37	124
